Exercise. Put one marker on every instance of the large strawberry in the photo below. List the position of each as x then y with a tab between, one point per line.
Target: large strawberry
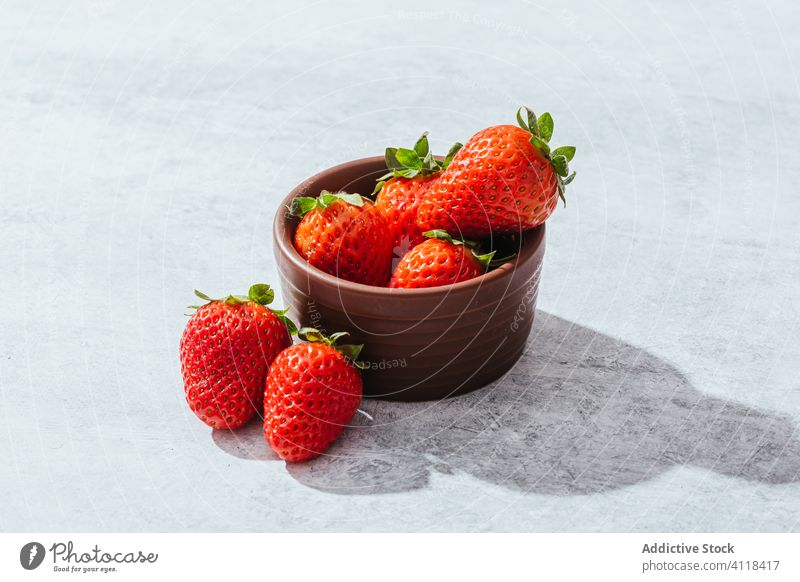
440	260
226	350
344	235
312	391
411	174
504	180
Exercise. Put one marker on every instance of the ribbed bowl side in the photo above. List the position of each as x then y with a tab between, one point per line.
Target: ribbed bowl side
410	360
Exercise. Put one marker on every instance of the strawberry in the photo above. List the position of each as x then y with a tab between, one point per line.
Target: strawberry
344	235
312	391
398	201
440	260
504	180
411	173
226	350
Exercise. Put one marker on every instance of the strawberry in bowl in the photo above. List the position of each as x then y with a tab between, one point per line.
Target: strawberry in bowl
440	260
506	179
411	174
344	235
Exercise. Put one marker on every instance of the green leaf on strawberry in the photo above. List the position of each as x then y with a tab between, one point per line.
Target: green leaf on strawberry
311	334
203	296
560	165
541	145
290	325
354	199
545	125
528	122
409	159
442	235
304	204
259	293
410	163
566	151
541	130
391	159
451	154
485	260
350	351
422	147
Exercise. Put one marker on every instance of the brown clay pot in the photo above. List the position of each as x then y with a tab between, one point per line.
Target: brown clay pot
420	344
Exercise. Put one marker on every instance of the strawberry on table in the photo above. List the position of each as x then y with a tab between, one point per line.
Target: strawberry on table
344	235
505	180
312	391
411	174
226	350
440	260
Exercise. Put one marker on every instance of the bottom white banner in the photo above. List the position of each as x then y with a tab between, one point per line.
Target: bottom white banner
119	557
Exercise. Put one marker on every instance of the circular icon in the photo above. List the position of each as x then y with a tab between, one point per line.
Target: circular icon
31	555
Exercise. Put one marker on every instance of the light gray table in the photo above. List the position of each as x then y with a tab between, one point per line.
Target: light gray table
143	150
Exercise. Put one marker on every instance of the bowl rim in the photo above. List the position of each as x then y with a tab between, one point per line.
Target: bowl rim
283	238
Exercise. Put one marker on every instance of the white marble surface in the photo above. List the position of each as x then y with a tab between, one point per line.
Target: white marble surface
144	148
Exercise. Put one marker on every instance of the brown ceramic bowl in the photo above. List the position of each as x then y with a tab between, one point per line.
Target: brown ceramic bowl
420	344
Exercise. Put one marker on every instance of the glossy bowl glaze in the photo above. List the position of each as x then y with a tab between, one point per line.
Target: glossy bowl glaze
419	344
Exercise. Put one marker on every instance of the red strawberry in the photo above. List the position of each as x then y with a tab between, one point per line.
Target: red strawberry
226	350
504	180
440	260
398	201
411	174
313	390
344	235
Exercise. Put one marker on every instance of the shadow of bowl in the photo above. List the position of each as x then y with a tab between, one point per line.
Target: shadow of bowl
580	413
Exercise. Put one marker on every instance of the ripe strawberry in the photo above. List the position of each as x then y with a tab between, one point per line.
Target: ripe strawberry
226	349
344	235
504	180
440	260
312	392
411	174
398	201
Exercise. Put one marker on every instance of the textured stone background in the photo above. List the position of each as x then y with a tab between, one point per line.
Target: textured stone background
143	149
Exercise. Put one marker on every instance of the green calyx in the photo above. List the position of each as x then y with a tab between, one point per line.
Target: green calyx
419	161
301	206
260	293
441	234
349	351
486	260
541	130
